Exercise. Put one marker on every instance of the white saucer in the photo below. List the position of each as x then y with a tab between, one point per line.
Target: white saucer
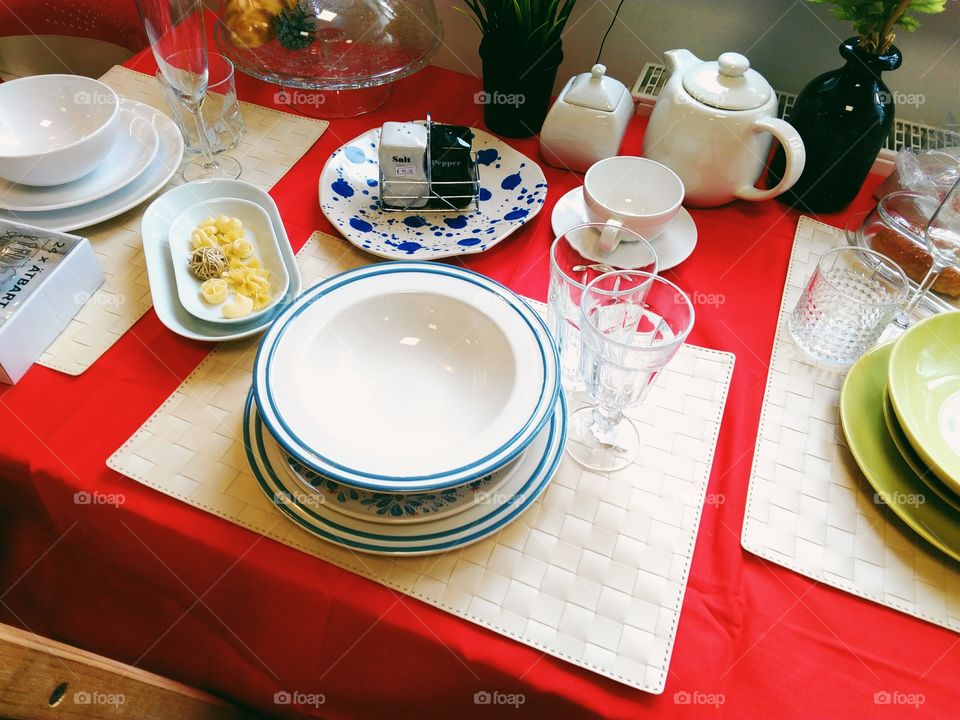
157	174
131	154
674	246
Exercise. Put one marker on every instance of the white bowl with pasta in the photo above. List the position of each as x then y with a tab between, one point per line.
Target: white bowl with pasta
248	276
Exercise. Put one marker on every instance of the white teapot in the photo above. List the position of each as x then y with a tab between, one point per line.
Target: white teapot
713	125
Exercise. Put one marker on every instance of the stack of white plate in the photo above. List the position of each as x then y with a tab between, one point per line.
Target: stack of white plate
73	154
405	408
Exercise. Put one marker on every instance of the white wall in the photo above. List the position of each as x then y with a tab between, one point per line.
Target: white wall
789	41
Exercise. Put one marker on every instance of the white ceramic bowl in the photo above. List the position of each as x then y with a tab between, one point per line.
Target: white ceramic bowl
257	228
55	128
406	377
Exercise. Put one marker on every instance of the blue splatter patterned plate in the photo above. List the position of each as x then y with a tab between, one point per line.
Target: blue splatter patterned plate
512	192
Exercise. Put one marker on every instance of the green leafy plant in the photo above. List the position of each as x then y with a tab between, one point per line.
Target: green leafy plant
875	20
533	24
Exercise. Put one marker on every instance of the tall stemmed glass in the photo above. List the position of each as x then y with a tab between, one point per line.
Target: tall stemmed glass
942	235
632	323
178	40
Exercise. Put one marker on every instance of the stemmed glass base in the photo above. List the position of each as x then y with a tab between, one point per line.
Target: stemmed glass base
601	446
218	166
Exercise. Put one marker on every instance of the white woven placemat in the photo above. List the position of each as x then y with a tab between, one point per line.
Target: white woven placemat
594	572
808	506
273	143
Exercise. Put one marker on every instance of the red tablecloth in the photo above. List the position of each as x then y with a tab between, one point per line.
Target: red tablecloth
172	589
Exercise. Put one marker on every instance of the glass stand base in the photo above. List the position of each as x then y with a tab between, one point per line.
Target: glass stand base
223	166
613	451
328	104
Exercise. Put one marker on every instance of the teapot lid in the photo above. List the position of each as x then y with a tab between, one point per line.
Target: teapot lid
594	90
728	83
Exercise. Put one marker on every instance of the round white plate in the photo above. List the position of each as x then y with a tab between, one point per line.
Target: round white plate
513	189
673	246
402	507
155	232
158	173
406	377
131	154
539	463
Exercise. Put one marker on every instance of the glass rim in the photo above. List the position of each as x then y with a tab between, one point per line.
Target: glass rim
554	265
880	257
678	339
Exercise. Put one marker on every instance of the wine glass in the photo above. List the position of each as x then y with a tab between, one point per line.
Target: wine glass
570	272
178	40
632	323
942	236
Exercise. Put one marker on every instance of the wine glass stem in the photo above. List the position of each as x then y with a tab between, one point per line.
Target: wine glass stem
605	420
209	160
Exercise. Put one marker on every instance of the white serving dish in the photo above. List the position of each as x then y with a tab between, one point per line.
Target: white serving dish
406	377
155	231
158	173
55	128
527	480
135	147
257	228
512	192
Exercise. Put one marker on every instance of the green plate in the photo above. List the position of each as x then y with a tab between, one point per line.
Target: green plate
861	414
924	382
910	455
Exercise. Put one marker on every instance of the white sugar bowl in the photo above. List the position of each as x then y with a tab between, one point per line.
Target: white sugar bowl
587	122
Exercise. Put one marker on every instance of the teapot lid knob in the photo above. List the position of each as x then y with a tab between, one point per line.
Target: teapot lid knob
599	70
733	64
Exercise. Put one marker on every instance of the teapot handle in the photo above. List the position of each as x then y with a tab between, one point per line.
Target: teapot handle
792	148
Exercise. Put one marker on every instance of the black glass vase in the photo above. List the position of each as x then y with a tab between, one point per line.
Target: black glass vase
844	116
517	87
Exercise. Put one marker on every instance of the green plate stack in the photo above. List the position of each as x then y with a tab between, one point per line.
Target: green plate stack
900	411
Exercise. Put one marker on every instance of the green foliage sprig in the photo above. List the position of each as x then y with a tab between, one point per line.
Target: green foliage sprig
875	20
532	24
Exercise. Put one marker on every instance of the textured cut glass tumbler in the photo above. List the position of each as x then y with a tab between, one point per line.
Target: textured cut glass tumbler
848	302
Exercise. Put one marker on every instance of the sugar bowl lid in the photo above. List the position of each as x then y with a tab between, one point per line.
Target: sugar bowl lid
595	90
727	83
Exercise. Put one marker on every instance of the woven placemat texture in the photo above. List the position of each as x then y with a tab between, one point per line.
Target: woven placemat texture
273	143
808	507
594	572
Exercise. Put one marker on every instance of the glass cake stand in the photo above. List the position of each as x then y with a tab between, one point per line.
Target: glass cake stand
331	58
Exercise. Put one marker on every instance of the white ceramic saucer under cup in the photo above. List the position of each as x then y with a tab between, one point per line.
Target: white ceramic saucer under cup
673	246
132	152
406	377
157	174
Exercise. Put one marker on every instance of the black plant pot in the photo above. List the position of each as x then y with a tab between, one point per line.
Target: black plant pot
844	116
517	86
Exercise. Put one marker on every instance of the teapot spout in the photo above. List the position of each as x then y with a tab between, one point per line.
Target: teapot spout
679	60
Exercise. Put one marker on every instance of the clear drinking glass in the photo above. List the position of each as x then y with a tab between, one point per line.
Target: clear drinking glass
220	110
178	40
848	302
632	324
570	272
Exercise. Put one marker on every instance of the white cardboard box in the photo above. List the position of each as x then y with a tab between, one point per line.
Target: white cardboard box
49	306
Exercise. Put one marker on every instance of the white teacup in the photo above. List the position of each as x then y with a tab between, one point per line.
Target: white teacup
631	192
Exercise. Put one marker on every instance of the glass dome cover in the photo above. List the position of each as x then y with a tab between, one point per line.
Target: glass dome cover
328	44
